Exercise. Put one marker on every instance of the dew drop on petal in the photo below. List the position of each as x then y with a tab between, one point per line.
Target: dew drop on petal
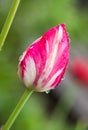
47	92
62	79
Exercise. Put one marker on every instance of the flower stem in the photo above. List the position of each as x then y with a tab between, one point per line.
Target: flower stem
17	110
8	22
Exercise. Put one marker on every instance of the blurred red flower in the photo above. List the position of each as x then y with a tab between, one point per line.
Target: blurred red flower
79	69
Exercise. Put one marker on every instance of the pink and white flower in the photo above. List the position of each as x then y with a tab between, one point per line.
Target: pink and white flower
43	64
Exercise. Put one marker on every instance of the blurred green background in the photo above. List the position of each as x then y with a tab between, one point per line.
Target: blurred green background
32	19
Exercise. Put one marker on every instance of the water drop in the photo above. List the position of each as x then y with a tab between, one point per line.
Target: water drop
47	92
63	78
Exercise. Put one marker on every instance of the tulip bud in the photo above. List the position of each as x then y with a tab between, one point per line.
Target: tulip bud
42	65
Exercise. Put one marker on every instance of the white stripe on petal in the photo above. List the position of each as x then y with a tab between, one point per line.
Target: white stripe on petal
60	34
51	81
48	85
22	57
47	47
29	72
51	60
52	55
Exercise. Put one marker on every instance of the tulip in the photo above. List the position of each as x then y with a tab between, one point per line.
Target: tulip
42	65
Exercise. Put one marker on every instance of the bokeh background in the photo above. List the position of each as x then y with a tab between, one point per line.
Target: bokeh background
65	108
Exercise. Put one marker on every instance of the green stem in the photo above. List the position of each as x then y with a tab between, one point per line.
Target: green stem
8	22
17	110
